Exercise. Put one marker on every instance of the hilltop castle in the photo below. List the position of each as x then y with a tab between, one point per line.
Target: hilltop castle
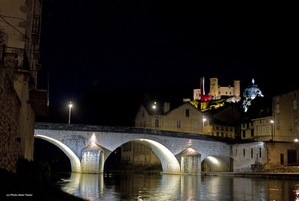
216	91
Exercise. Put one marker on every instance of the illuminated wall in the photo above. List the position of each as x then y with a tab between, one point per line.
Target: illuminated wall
247	154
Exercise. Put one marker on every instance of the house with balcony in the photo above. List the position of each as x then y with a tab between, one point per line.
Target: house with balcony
20	99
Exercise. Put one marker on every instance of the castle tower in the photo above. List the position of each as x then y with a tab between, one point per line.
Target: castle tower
237	88
214	88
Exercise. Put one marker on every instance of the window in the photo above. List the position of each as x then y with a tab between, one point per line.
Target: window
295	105
187	113
260	152
281	159
277	111
292	157
178	124
157	123
251	152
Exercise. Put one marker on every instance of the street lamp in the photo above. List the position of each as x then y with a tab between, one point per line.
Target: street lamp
272	133
203	123
154	107
70	111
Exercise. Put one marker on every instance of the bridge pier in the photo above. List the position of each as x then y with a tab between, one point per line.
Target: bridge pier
92	159
190	161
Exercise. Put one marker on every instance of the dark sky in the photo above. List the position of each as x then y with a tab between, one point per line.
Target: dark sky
109	56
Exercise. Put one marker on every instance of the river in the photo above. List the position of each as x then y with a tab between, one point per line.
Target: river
153	187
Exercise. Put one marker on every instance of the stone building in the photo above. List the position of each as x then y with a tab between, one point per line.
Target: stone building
223	122
258	129
20	100
276	130
285	109
185	118
264	155
280	124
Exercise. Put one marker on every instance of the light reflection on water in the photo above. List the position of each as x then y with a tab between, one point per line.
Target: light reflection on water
165	187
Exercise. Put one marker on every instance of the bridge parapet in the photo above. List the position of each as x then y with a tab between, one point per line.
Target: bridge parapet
131	130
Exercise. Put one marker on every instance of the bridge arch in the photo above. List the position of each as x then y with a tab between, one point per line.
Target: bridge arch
169	162
75	162
215	164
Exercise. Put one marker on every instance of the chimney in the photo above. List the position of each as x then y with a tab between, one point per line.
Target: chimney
166	107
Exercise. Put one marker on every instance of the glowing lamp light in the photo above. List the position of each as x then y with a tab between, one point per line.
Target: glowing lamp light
296	140
154	105
70	112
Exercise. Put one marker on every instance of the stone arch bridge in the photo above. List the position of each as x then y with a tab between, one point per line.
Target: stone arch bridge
88	147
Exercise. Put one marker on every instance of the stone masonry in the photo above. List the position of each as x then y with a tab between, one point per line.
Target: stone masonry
9	113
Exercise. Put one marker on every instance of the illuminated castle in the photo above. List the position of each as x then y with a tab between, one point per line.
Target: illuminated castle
216	91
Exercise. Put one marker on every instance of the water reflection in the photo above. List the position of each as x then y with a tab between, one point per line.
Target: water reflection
148	187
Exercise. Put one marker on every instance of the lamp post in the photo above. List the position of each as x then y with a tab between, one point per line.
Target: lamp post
203	123
154	107
70	112
272	133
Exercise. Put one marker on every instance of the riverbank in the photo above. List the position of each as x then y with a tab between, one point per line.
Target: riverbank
32	181
17	187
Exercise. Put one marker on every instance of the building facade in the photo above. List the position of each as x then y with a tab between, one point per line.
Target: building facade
258	129
188	119
286	116
185	118
20	100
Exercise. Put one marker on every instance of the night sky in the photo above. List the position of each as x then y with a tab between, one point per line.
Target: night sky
107	57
